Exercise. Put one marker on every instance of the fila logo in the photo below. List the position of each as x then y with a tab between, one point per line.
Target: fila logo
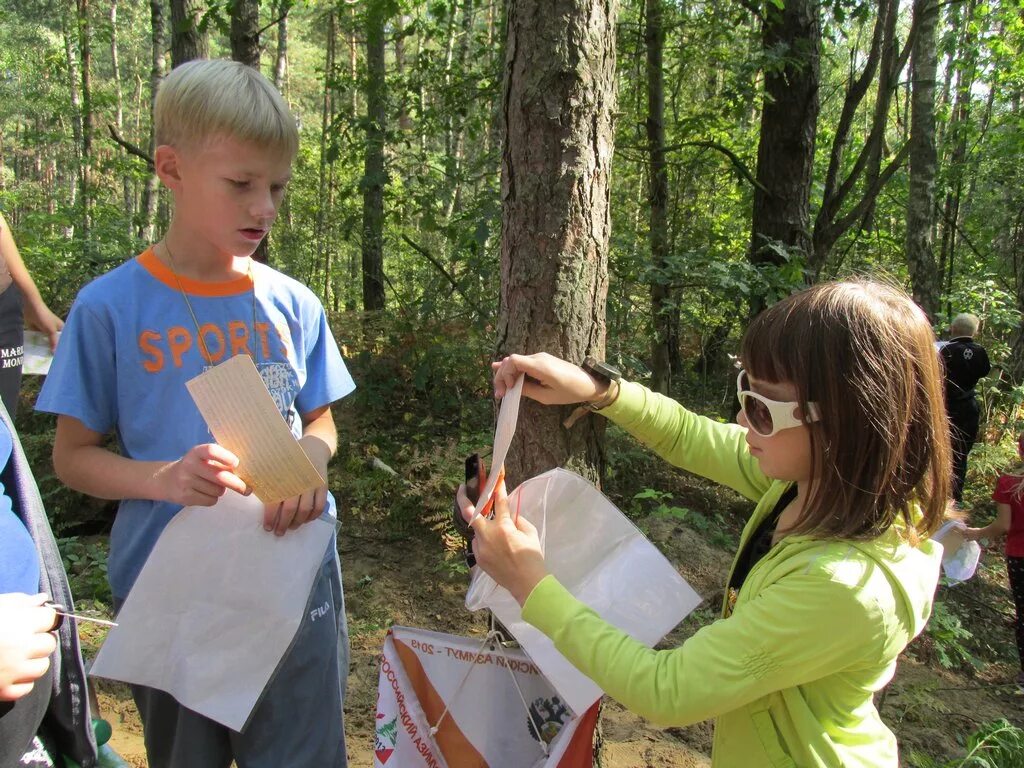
319	613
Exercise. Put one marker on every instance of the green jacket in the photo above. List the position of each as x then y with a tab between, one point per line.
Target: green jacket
791	670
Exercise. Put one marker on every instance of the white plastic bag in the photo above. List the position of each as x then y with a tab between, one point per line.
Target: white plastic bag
959	556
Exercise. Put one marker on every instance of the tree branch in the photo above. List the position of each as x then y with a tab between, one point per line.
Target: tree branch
845	222
130	148
274	23
440	268
737	163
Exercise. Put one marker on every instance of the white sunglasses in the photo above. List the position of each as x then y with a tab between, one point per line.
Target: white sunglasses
767	417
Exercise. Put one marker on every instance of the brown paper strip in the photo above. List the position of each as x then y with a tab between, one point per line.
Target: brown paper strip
243	418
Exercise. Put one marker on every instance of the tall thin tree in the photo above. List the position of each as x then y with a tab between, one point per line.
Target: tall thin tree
374	173
925	278
662	309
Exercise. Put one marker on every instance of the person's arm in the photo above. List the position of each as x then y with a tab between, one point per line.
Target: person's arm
26	643
998	527
784	637
198	478
708	448
37	314
320	441
802	628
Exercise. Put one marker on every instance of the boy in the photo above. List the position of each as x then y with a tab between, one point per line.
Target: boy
226	142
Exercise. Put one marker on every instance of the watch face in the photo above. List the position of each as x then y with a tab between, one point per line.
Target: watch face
601	369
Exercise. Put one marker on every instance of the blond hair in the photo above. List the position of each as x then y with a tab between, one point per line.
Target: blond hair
964	324
205	98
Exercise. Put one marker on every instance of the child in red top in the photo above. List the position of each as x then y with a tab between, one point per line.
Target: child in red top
1009	498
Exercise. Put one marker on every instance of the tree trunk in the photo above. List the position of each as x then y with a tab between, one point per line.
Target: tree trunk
956	137
128	198
866	173
187	40
559	101
245	32
374	174
662	306
326	115
75	95
281	57
156	73
925	278
785	153
85	176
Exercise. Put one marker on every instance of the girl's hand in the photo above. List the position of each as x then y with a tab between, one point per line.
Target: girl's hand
507	549
26	643
972	534
549	379
41	318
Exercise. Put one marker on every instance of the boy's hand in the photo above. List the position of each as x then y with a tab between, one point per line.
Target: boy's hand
299	510
200	477
26	642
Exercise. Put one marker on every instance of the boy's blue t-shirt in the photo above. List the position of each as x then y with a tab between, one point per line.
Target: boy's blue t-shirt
130	345
19	560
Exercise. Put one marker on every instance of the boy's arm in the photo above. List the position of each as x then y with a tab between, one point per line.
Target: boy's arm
198	478
319	440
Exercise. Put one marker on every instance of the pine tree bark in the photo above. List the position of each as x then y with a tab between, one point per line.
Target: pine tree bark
374	174
557	113
925	278
187	40
789	119
245	32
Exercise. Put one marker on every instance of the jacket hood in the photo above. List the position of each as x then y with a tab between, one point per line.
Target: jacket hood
913	572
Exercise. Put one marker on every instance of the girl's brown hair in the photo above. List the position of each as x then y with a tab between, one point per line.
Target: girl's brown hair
865	353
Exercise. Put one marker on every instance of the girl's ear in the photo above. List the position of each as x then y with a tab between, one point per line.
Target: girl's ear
167	163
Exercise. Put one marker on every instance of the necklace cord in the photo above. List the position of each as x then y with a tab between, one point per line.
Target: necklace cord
195	320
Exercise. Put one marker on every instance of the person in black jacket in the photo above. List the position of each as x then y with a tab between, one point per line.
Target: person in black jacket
965	363
44	705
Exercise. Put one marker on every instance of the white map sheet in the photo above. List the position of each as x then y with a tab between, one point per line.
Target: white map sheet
215	608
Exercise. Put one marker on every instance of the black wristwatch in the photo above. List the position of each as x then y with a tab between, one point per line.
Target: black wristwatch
601	370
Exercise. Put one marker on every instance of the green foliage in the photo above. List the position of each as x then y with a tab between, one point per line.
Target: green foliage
85	560
997	744
949	635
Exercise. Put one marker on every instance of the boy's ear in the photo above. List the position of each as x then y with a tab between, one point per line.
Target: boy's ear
167	163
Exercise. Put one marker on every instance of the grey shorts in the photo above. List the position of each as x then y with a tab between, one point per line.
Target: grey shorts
299	721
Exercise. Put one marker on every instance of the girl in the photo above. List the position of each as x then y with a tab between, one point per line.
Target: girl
843	443
1009	498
